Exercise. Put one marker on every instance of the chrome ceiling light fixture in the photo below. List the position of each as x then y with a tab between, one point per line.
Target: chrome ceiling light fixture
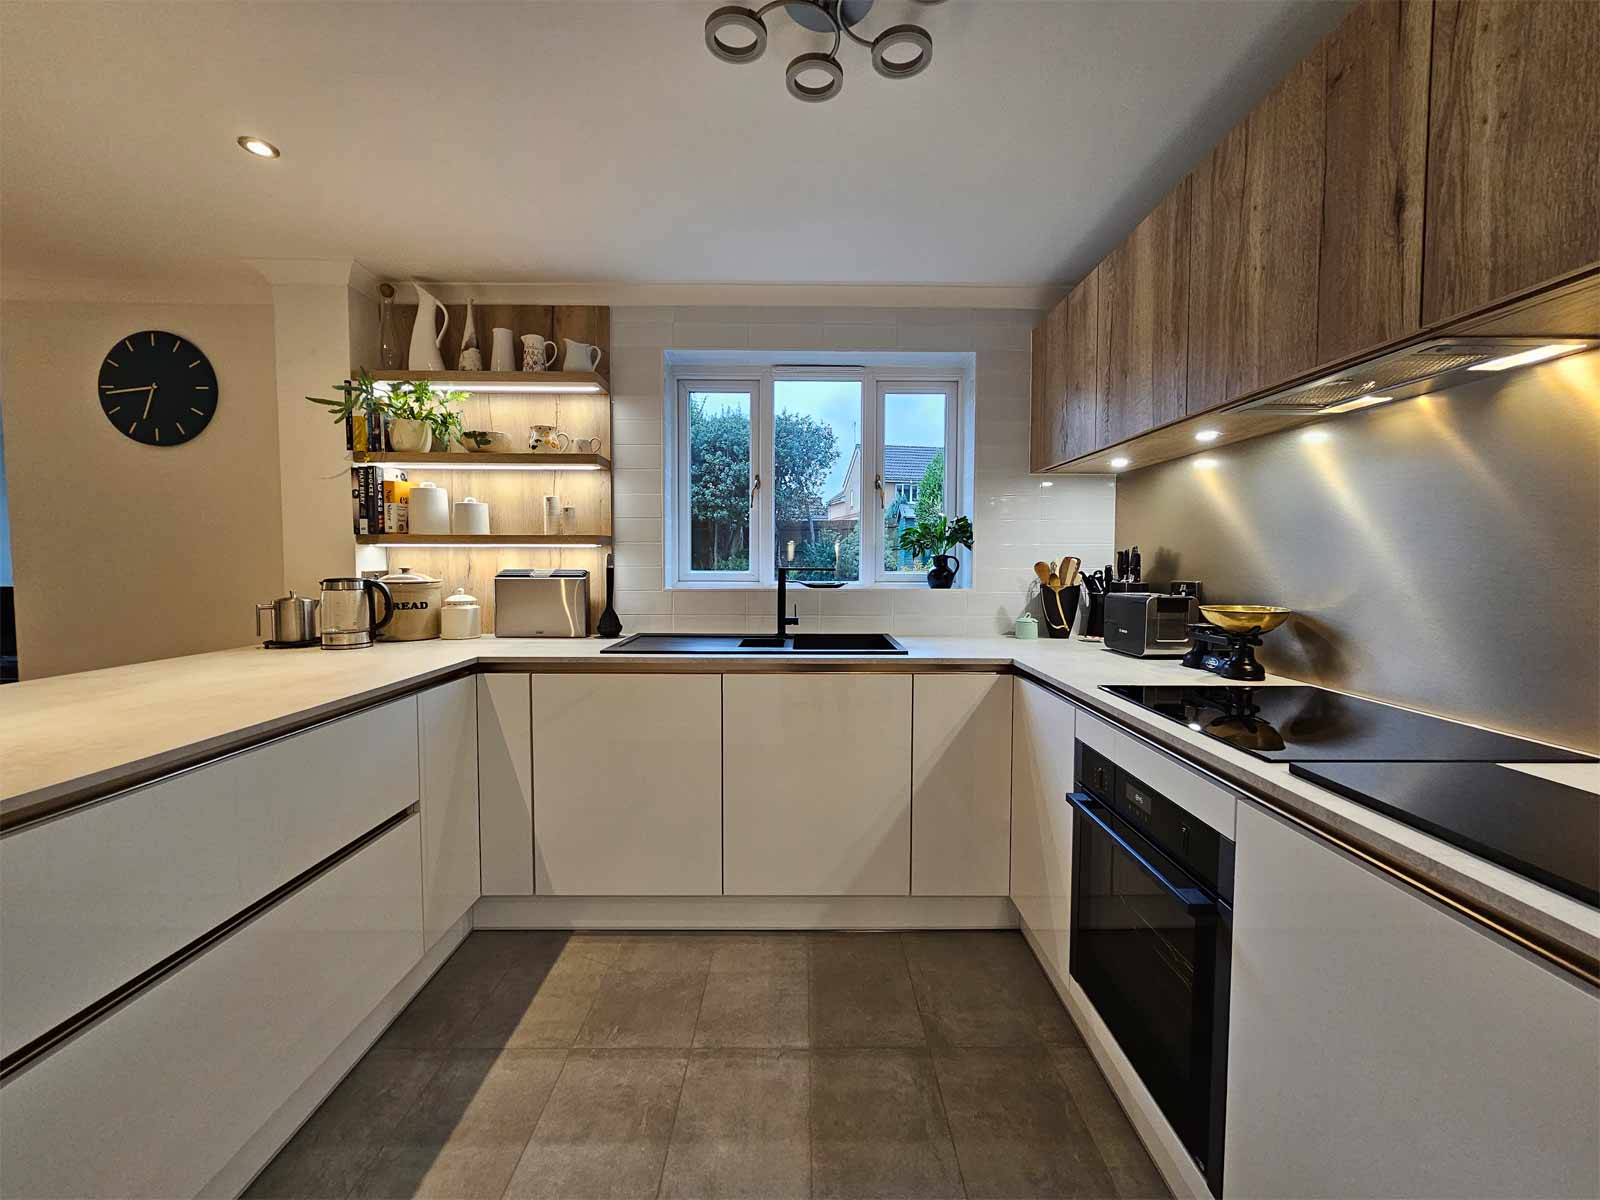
737	34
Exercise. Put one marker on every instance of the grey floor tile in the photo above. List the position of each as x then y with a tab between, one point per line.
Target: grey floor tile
644	1009
754	1009
878	1127
332	1150
450	1001
741	1128
1016	1129
666	952
530	1008
1132	1171
482	1098
605	1128
442	1172
742	953
861	992
984	988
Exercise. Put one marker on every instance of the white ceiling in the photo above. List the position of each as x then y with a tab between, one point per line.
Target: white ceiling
598	140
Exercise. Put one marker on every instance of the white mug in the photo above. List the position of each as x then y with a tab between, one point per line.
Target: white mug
504	355
580	356
538	352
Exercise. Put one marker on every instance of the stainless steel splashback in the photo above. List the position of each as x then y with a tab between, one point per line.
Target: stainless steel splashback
1441	552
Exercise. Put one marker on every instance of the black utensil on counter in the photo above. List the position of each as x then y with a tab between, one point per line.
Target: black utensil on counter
609	625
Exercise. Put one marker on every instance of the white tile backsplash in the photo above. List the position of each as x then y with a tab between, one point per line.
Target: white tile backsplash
1017	521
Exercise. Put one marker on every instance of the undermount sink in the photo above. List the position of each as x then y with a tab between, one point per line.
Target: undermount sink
734	643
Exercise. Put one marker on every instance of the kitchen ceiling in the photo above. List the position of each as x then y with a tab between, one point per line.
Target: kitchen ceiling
598	141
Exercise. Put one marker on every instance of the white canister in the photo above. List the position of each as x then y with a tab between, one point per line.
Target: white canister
461	617
469	516
503	351
430	509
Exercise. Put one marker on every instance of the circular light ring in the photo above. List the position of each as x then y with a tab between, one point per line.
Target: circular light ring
733	16
258	146
826	63
902	35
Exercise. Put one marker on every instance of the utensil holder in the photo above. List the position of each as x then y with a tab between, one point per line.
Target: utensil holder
1060	608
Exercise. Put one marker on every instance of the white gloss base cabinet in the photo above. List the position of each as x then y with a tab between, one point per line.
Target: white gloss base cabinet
1381	1045
1043	729
961	785
93	898
505	784
157	1098
817	784
447	748
627	785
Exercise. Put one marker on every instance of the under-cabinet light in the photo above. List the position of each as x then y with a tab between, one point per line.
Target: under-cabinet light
1358	402
469	465
1047	483
1315	435
1119	462
495	386
489	545
260	147
1205	464
1208	435
1527	357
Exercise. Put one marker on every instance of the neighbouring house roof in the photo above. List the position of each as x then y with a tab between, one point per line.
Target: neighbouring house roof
906	464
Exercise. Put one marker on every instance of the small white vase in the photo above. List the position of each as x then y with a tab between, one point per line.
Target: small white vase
411	437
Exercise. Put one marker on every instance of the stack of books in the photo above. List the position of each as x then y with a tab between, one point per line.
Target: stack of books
380	499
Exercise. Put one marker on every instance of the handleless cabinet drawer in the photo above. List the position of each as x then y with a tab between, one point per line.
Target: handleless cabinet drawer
94	897
160	1095
1199	795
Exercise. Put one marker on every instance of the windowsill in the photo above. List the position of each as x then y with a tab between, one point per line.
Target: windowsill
722	585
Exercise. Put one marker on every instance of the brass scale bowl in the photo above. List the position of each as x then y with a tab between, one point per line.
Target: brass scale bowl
1243	625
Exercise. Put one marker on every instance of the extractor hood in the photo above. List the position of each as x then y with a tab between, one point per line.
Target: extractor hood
1428	366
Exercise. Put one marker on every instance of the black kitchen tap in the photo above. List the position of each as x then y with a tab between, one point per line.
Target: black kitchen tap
784	620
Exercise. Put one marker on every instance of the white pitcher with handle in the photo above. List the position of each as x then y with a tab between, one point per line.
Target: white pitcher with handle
426	354
580	356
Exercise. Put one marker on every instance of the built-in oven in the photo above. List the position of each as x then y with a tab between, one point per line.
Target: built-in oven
1152	891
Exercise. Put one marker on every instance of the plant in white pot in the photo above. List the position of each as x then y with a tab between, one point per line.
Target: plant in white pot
420	416
360	399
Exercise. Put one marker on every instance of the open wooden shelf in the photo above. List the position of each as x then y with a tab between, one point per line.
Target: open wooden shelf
527	460
560	382
535	540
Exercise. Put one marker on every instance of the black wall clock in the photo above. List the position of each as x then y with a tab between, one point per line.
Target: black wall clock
157	388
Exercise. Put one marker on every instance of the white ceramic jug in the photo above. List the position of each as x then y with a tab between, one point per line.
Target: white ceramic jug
580	356
425	353
503	353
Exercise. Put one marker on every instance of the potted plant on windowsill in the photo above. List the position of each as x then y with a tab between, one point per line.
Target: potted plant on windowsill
933	540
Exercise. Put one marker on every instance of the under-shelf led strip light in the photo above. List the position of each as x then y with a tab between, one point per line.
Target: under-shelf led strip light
589	389
469	465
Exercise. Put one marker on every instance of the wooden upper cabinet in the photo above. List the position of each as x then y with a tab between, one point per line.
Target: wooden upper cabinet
1038	417
1143	335
1255	245
1048	424
1370	280
1081	334
1513	149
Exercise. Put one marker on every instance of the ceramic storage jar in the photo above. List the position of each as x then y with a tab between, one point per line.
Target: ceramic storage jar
417	600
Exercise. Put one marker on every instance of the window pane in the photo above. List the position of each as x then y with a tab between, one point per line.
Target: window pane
816	444
913	470
719	481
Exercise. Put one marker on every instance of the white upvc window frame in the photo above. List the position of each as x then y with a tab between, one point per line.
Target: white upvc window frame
876	382
888	383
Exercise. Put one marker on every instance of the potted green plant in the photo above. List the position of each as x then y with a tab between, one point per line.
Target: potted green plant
934	540
360	399
419	416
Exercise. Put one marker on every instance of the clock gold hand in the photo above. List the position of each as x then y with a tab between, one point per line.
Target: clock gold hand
148	400
119	391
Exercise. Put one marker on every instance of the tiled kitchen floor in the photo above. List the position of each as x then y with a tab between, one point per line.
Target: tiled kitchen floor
760	1066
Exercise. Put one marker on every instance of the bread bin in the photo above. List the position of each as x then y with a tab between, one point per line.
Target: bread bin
461	617
430	509
417	600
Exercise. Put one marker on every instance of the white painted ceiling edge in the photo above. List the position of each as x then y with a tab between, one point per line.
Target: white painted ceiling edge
554	143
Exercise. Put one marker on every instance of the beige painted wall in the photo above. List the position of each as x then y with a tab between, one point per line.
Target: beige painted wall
127	552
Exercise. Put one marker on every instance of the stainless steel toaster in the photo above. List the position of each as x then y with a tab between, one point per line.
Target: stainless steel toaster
541	603
1148	624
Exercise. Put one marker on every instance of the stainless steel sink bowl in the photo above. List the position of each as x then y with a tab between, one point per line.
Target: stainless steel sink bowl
737	643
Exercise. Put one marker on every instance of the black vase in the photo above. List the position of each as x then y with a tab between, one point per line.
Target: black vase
943	572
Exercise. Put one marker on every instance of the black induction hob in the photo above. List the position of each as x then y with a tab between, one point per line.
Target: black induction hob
1309	724
1538	828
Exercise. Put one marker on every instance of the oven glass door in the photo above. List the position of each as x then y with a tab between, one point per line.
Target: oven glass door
1145	948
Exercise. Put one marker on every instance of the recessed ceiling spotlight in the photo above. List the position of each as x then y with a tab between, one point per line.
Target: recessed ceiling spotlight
260	147
1119	462
1208	435
1205	464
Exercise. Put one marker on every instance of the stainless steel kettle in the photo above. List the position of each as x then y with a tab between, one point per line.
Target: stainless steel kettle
349	612
293	620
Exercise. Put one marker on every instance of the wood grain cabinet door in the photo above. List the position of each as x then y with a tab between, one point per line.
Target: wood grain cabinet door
1143	334
1080	334
1513	149
1038	417
1255	244
1376	96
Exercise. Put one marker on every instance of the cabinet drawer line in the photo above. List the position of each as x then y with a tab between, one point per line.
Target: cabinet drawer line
134	781
1571	961
52	1039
